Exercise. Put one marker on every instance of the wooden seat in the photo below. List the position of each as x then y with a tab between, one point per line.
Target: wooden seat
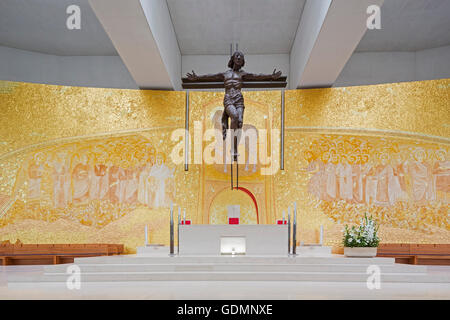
18	254
427	254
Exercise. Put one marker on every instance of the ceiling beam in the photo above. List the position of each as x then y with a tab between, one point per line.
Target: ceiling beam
143	35
328	33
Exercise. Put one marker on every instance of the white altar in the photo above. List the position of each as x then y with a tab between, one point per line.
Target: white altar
233	239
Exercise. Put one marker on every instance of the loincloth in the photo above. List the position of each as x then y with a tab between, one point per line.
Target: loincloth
234	99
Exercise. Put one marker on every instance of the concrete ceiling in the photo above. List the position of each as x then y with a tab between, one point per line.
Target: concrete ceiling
209	26
41	26
410	25
258	26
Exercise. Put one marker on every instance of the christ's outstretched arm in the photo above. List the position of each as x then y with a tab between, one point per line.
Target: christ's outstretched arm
207	77
264	77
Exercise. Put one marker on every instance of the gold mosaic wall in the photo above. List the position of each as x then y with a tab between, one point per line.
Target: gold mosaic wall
410	107
85	165
381	150
88	165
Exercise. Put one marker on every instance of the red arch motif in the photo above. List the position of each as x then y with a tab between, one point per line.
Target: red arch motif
254	201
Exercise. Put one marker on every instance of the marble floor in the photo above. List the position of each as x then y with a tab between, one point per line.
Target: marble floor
221	290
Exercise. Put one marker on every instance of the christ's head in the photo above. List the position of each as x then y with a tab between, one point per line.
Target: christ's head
237	61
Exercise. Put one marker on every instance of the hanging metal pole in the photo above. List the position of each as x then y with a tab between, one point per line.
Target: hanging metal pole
282	132
231	173
237	174
186	138
294	231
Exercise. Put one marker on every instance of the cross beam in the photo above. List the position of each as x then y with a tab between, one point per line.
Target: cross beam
199	84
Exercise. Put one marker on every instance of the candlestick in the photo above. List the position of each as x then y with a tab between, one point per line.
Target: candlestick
294	231
171	231
178	230
289	230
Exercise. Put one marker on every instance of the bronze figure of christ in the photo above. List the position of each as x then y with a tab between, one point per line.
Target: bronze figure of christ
233	101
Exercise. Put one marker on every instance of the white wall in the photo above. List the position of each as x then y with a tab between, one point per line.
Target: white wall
89	71
265	63
433	63
365	68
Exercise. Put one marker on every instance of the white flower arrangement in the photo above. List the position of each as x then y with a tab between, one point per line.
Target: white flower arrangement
365	235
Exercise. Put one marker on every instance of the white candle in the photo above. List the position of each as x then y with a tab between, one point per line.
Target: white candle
146	235
321	234
295	213
179	214
184	216
284	213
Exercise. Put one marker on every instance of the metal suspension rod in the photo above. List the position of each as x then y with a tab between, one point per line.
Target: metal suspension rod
282	132
237	175
231	174
186	138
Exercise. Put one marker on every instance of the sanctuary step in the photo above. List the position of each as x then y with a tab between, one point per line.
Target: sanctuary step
134	259
307	250
314	250
241	268
247	267
239	276
153	250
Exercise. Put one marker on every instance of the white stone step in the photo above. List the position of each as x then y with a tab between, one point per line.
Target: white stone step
309	250
208	267
135	259
314	250
236	276
153	250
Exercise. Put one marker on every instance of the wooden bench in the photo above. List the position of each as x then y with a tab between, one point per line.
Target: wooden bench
21	254
411	253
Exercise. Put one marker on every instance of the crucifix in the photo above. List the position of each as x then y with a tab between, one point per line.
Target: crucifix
233	80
